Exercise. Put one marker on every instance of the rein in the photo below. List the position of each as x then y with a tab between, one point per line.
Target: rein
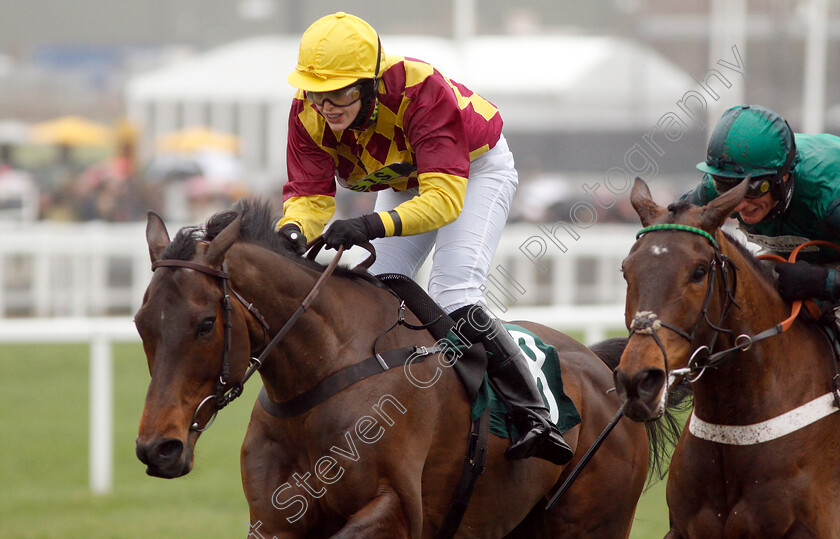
224	393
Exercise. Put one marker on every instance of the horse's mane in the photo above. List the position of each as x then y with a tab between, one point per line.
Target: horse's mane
762	270
258	227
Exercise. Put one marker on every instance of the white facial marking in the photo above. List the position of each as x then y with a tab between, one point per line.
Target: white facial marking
657	250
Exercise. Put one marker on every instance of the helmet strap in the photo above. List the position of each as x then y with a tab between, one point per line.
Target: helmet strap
780	189
370	104
379	58
369	109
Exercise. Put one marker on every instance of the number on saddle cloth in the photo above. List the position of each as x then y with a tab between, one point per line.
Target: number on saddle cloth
471	365
544	363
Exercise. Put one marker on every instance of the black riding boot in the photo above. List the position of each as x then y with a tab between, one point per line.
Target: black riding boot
512	380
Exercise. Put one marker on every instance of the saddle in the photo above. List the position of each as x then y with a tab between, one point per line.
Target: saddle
472	365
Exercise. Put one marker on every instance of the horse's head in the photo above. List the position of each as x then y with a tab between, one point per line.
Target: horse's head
182	324
675	289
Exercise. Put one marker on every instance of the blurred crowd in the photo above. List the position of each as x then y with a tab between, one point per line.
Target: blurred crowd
76	175
71	169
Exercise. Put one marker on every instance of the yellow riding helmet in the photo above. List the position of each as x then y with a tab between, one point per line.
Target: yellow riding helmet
336	51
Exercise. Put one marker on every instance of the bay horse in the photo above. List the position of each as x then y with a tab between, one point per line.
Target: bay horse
380	458
759	455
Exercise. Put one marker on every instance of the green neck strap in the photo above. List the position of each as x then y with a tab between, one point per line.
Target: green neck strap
684	228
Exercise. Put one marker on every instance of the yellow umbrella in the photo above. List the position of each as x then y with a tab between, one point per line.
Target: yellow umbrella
72	131
195	139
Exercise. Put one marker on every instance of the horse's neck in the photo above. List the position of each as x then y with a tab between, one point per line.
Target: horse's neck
773	373
322	341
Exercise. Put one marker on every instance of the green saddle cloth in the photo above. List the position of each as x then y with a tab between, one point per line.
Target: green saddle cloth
543	359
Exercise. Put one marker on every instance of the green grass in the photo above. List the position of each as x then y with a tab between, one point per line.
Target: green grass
44	458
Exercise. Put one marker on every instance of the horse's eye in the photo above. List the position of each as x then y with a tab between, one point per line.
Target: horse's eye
699	274
205	326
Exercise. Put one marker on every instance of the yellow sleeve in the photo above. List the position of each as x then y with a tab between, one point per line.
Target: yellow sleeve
440	202
311	213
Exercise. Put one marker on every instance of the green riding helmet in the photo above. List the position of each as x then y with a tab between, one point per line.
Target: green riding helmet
748	139
751	140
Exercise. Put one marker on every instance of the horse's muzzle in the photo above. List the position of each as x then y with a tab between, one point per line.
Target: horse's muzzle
164	457
642	392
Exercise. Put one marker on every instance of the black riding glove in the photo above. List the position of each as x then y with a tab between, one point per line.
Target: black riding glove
349	232
293	238
802	281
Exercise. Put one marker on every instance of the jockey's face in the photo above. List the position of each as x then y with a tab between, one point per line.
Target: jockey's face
753	210
339	118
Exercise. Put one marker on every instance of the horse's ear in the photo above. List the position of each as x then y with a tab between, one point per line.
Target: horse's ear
643	203
156	236
218	248
716	212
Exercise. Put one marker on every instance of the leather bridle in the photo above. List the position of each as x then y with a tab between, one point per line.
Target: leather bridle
648	322
701	359
224	391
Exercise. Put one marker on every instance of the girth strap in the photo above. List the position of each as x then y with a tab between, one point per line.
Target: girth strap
474	462
333	384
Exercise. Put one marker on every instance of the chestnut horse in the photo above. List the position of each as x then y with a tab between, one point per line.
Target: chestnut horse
381	458
759	455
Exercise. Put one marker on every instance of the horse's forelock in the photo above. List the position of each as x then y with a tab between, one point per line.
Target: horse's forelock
182	247
678	208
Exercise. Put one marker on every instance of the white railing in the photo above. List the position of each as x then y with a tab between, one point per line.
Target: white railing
55	269
99	269
78	282
100	333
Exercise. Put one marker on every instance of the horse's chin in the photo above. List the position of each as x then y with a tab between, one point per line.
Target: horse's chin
171	472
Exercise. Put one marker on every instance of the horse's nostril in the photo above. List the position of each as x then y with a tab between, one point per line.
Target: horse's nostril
649	383
161	453
169	450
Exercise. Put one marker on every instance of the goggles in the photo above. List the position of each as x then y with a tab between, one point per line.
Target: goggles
758	187
342	97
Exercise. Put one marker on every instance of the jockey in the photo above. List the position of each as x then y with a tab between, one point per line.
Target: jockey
435	153
793	197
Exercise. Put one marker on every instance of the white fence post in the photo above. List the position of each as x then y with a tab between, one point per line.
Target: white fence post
101	415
